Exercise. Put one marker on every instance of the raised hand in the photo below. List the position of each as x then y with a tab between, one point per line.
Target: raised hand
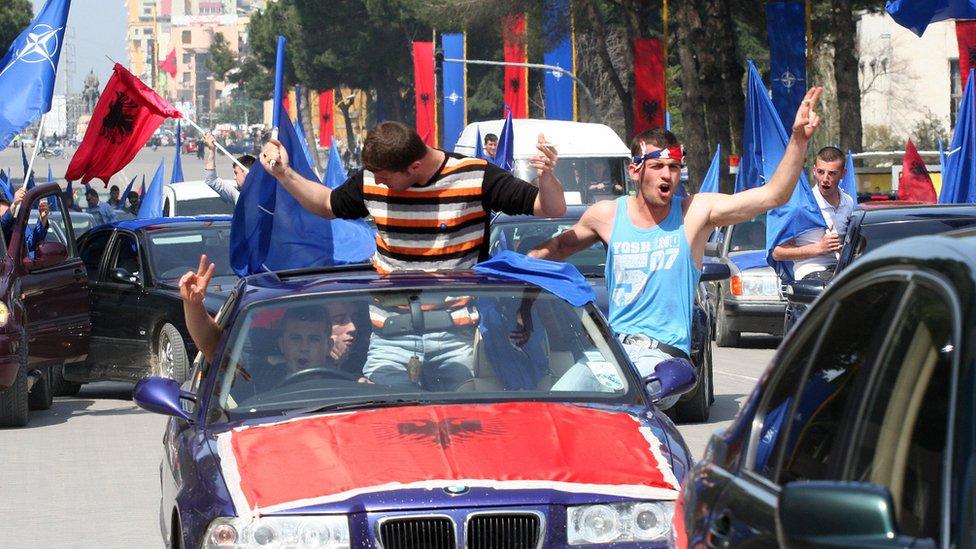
209	141
807	120
274	157
19	195
193	285
43	208
544	162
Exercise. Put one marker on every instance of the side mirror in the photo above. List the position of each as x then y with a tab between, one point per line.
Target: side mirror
839	514
804	291
712	248
672	377
46	254
161	395
712	271
123	276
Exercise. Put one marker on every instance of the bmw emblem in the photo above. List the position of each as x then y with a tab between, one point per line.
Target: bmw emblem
456	490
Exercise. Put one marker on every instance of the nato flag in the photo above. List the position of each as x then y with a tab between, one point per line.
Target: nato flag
27	70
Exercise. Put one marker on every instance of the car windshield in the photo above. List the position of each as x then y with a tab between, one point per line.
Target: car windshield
485	343
749	236
525	235
873	236
585	180
213	205
173	252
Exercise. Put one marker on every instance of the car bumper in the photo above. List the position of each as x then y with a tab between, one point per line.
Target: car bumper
755	316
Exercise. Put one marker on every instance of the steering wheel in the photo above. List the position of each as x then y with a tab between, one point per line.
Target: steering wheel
320	371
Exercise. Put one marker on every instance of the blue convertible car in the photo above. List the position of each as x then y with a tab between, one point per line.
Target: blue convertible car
472	409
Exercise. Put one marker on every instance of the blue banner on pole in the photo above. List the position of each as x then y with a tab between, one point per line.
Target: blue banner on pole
959	175
560	89
454	89
786	26
177	159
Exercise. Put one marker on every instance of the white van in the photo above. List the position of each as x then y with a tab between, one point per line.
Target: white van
193	198
592	157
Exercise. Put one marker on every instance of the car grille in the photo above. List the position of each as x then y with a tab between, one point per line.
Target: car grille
418	533
503	531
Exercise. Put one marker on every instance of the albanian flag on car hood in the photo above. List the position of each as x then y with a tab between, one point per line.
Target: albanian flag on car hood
127	114
522	445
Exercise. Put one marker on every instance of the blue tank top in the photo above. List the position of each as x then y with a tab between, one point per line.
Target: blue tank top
651	278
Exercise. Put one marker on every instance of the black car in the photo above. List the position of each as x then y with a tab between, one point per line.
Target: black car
860	432
134	267
522	233
873	225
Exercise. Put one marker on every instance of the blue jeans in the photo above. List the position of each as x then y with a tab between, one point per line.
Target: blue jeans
446	359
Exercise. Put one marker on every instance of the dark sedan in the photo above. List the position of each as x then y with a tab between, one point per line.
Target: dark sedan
873	225
134	268
522	233
860	432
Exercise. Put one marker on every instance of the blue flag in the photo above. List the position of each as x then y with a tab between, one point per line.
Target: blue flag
849	183
505	153
479	148
763	146
272	231
142	190
959	171
300	129
942	158
560	89
915	15
51	201
28	69
710	183
335	172
786	28
5	187
454	89
28	177
177	161
152	202
122	198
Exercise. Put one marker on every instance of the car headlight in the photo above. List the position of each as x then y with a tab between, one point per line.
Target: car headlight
313	532
4	314
758	286
619	522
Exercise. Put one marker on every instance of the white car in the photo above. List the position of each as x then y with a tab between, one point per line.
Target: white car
193	198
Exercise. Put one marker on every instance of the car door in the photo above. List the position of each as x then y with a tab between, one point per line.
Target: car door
119	344
54	295
802	418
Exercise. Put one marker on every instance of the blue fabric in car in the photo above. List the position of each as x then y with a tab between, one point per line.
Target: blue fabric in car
750	260
516	368
562	279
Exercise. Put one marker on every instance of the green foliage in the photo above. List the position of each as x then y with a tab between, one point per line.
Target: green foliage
239	108
928	131
222	58
14	17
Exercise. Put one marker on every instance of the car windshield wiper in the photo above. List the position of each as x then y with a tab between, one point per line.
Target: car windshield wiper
358	405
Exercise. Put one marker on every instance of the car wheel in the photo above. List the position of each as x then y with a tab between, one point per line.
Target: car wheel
41	397
724	336
171	359
61	386
696	408
14	410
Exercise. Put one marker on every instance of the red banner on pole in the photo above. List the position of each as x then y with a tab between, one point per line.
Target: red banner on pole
126	115
649	90
966	36
425	96
516	78
326	122
914	182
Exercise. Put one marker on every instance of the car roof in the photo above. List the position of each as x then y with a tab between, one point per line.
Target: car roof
917	212
573	213
160	222
345	278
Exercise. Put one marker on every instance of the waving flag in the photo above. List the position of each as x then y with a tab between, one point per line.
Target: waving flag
177	161
560	89
786	29
272	231
152	203
915	15
479	149
849	183
454	89
710	183
959	166
300	129
127	114
764	144
335	172
505	153
28	69
5	187
169	64
122	198
915	183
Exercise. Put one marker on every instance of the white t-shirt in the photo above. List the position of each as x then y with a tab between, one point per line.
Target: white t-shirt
837	220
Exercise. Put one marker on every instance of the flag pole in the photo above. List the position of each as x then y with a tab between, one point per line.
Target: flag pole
37	142
219	146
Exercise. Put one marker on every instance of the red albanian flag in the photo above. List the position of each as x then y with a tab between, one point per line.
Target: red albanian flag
169	64
915	183
126	115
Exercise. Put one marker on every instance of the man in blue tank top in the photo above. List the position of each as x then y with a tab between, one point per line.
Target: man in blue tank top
655	244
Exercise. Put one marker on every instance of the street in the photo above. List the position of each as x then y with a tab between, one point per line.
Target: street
86	472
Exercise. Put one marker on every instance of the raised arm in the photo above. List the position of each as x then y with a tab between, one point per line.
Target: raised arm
314	197
203	329
731	209
580	236
551	201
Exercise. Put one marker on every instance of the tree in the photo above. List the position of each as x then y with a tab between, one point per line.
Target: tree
222	58
15	15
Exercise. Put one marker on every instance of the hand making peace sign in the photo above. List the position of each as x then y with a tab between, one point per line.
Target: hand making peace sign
193	285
